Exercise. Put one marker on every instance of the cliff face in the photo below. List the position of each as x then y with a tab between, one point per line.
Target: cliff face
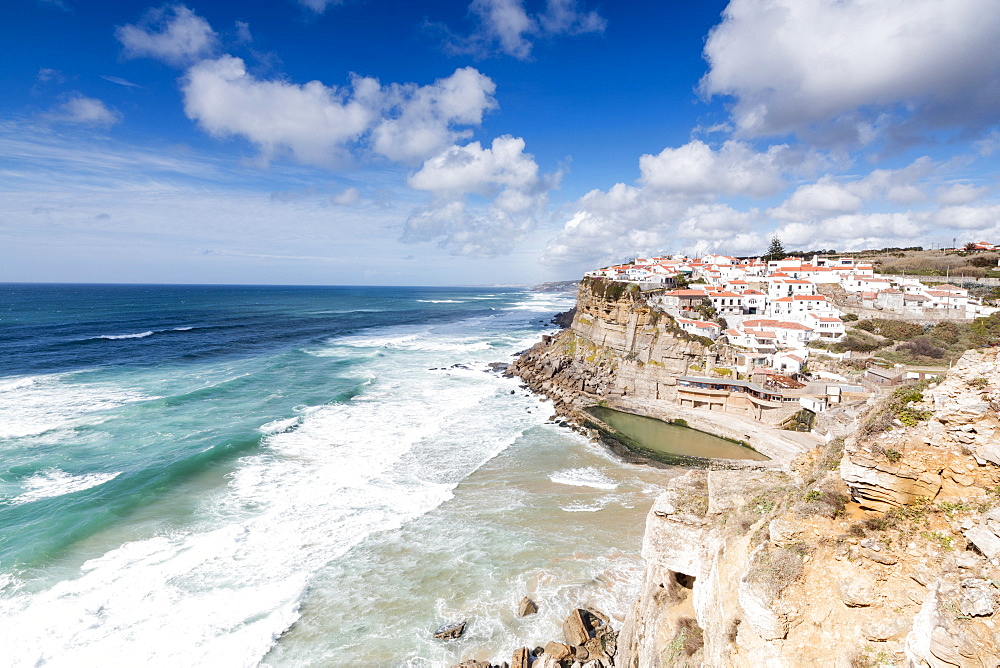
754	568
615	347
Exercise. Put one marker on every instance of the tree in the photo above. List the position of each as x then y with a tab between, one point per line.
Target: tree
776	251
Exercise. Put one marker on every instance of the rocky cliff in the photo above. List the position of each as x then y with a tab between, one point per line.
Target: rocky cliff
880	550
616	346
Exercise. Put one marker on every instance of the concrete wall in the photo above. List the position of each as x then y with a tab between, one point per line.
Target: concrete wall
954	280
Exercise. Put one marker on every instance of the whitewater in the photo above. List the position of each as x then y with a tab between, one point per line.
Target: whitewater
214	476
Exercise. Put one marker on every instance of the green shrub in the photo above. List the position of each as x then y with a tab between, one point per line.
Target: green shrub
979	383
897	330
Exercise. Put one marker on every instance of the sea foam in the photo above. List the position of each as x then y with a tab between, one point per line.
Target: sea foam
115	337
56	482
583	477
35	404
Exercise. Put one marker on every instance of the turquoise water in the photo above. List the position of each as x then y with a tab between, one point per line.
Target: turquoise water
235	476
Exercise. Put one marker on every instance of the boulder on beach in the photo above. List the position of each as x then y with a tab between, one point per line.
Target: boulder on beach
526	607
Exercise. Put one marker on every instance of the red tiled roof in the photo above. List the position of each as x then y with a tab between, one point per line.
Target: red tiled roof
686	293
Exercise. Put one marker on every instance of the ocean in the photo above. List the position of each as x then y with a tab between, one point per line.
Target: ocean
293	476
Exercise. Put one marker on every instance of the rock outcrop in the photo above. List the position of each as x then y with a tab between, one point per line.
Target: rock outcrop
590	642
616	346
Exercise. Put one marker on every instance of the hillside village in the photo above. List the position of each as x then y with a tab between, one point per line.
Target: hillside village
784	318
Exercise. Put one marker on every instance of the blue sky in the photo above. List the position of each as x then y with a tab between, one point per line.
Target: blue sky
491	141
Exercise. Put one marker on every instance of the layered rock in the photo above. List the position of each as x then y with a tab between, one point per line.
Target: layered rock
616	346
943	458
784	569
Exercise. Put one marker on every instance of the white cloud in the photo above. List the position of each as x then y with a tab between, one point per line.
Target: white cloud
82	110
243	34
675	205
563	17
503	173
47	74
172	33
310	121
318	124
455	227
347	197
319	6
627	221
830	196
820	199
978	218
961	193
696	169
474	169
505	26
793	64
120	81
421	118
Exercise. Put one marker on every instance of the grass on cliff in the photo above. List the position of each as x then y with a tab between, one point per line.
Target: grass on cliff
685	643
774	569
883	416
608	290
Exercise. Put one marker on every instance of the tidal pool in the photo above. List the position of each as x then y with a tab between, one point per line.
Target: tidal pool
667	442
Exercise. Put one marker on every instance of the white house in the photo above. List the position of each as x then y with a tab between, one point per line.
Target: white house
700	327
799	305
754	302
727	303
829	328
786	333
947	296
789	362
789	287
864	283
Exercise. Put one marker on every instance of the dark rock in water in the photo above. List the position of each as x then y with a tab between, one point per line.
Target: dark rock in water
512	391
450	631
497	366
538	651
526	607
564	319
522	658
